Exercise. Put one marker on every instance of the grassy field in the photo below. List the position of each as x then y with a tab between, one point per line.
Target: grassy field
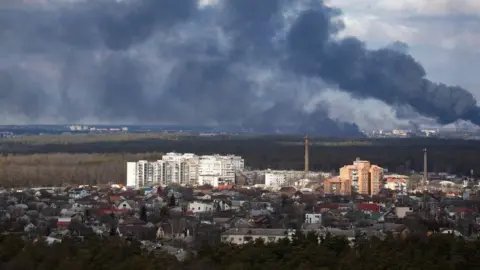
91	138
63	168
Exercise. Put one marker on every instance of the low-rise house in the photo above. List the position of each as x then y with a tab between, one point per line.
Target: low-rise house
78	193
109	211
237	222
239	203
312	218
200	207
139	232
64	222
241	236
222	205
401	211
126	205
371	207
202	196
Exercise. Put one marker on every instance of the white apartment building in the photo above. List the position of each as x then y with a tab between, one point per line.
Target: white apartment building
132	174
275	179
286	178
184	169
216	169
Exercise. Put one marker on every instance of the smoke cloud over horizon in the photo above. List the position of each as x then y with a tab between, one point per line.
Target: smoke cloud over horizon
270	65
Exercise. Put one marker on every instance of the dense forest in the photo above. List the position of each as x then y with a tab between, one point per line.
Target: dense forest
302	253
94	159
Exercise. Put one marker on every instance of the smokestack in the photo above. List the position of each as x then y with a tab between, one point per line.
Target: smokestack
425	162
306	156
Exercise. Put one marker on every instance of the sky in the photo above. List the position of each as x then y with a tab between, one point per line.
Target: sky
441	34
226	62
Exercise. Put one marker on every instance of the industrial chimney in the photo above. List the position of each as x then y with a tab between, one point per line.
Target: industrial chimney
425	170
306	157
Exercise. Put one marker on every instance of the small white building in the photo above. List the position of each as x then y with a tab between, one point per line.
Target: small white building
402	211
200	207
313	218
242	236
396	183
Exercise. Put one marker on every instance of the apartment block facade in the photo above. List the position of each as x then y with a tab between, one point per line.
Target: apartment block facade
184	169
365	178
338	186
287	178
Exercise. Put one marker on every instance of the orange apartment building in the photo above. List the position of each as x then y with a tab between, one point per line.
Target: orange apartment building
337	186
365	178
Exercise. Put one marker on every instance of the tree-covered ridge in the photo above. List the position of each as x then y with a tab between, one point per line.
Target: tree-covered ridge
303	252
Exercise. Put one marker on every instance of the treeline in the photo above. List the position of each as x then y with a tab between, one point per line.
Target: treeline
302	253
283	152
93	159
66	169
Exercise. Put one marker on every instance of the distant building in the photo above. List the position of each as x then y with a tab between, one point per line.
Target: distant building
365	178
286	178
396	182
216	169
200	207
242	236
313	218
184	169
338	186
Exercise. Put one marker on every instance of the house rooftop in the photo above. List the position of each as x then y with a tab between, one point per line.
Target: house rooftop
253	231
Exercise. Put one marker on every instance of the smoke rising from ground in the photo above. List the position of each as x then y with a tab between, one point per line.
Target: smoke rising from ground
270	65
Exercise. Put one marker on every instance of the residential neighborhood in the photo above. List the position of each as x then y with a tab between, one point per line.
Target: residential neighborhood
178	219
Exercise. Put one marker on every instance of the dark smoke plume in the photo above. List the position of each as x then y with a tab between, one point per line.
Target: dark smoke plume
238	63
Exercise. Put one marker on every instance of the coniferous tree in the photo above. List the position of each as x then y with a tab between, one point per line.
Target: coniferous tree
173	201
143	213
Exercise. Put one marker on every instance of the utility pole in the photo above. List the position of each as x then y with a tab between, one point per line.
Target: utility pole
307	166
425	169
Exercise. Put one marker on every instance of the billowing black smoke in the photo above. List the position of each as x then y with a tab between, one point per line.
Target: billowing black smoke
171	61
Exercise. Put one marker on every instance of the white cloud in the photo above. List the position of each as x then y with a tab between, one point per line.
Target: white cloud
373	27
449	24
429	7
416	7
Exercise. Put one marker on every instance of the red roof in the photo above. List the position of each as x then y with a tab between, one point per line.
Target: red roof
327	205
464	210
224	187
373	207
396	180
63	223
108	211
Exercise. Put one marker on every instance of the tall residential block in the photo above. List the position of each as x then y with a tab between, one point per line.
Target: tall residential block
365	178
184	169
